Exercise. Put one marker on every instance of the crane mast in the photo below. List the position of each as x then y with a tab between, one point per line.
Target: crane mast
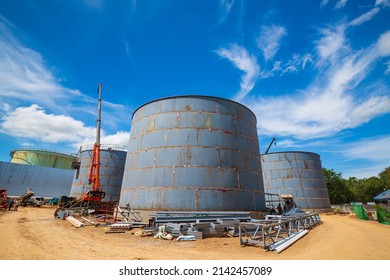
94	173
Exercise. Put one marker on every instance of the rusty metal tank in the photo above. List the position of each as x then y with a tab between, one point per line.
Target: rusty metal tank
193	153
296	173
112	163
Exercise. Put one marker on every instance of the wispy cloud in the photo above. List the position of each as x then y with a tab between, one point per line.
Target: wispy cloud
387	71
225	7
95	4
269	40
385	3
324	3
374	150
34	102
341	4
24	74
331	45
244	61
329	104
365	17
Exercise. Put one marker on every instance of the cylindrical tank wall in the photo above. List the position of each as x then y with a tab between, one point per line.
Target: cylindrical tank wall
193	153
296	173
42	158
112	163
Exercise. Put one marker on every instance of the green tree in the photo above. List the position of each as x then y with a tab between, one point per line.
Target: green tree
337	187
372	187
385	177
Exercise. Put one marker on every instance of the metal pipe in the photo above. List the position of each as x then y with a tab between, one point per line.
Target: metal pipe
291	241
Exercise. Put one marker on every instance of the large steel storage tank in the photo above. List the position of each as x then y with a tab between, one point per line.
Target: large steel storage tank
112	163
44	158
296	173
193	153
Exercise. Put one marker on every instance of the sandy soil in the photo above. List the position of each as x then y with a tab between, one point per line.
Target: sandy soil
34	234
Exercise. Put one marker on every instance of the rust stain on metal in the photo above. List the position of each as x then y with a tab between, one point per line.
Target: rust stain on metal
151	125
208	121
178	119
165	138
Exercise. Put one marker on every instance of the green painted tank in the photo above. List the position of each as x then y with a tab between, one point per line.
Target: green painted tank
42	158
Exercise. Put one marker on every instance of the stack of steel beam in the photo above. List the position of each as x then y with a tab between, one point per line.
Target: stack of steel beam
193	216
201	224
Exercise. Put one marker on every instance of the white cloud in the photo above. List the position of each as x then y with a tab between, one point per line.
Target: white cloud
324	3
33	122
293	66
247	63
26	79
290	69
341	4
225	6
371	108
287	143
384	44
385	3
387	71
269	40
306	59
331	45
24	75
119	138
365	17
371	149
330	104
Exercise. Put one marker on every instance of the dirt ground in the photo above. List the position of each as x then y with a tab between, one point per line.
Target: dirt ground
34	234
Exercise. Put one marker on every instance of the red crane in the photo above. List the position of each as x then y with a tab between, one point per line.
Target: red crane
96	194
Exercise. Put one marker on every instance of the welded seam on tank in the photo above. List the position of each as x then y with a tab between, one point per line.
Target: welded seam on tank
168	188
204	97
243	136
244	152
193	166
176	112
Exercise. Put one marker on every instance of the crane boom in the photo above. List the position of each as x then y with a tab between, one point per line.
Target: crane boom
270	144
94	173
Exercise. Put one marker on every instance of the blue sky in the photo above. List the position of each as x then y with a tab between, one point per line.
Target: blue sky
315	73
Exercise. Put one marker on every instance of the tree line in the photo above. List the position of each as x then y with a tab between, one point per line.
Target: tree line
342	190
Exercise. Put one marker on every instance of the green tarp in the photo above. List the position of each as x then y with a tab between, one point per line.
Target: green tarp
359	211
383	215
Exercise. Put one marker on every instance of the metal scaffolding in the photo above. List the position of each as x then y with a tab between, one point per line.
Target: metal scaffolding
277	231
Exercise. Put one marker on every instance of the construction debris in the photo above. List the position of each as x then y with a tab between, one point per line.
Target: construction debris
74	221
89	221
186	238
127	212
